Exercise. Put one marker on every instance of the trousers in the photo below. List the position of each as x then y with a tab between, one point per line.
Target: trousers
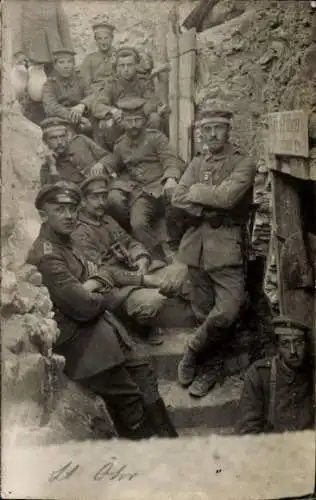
126	389
216	297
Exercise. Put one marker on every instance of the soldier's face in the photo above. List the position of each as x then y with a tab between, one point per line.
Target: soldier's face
65	66
133	125
214	135
292	350
103	39
57	140
126	67
61	217
94	204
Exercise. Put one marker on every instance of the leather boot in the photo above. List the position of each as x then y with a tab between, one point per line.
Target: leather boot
160	420
187	367
143	430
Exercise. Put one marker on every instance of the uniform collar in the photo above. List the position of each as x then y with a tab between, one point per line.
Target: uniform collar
61	79
84	217
138	140
226	151
290	375
49	234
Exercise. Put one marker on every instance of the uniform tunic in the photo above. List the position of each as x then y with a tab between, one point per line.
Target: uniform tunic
91	339
97	70
96	239
294	404
74	165
120	88
212	247
60	94
145	163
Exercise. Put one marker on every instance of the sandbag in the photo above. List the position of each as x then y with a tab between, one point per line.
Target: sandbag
37	78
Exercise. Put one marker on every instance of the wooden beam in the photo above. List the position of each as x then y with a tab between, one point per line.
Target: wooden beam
187	67
173	56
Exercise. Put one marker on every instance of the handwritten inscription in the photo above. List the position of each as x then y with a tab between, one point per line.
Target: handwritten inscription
110	470
288	133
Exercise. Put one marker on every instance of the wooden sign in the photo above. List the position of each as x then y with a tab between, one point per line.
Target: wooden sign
288	133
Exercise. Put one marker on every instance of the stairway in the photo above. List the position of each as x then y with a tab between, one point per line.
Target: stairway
217	412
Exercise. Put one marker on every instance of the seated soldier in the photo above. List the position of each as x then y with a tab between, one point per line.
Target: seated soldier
97	67
138	282
278	392
127	83
99	353
65	94
70	157
148	171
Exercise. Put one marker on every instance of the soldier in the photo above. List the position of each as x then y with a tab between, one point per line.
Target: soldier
64	93
139	284
127	83
70	157
278	392
147	170
98	350
216	191
97	67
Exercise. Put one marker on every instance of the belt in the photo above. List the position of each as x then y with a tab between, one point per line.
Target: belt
214	221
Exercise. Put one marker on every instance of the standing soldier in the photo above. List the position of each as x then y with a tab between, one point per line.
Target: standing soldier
70	157
139	282
65	94
148	170
216	190
98	350
97	68
127	83
278	393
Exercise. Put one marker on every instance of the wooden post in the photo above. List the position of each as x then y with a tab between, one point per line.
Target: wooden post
173	56
187	66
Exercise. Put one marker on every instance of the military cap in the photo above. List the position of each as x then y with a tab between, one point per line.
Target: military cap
127	51
62	52
132	105
52	123
100	184
61	192
104	25
215	111
284	325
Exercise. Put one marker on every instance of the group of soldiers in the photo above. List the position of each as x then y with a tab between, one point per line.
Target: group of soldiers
109	177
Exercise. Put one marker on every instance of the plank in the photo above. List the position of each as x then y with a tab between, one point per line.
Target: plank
288	133
173	56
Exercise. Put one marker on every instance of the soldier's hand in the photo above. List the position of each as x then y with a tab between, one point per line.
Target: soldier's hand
151	281
194	192
116	114
169	187
76	113
97	169
142	265
92	285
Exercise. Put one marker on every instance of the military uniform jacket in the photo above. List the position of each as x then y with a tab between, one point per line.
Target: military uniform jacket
95	239
221	184
60	93
75	164
294	404
86	339
145	163
120	88
97	70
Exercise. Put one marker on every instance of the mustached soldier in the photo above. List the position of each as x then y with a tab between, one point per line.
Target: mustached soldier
278	392
216	190
98	350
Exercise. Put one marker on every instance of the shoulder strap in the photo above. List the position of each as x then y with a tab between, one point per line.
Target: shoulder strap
272	392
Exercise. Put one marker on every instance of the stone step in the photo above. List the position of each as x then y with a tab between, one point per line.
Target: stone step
205	431
216	411
167	356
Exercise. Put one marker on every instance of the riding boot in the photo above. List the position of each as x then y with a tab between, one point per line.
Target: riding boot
160	420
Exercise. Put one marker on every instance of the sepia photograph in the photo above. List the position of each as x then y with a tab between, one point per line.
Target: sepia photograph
158	249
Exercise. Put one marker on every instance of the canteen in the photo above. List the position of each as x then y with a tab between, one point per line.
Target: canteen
19	79
37	78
